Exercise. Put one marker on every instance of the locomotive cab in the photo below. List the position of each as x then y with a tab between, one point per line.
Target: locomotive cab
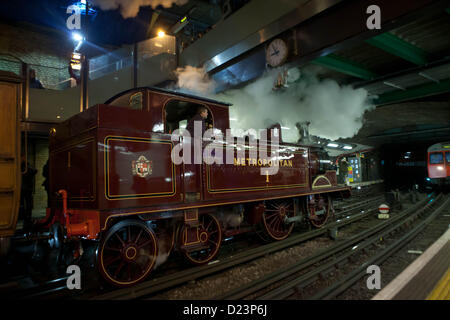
178	113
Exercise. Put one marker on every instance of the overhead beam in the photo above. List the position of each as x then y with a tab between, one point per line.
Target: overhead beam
309	30
342	65
414	93
155	16
399	47
406	133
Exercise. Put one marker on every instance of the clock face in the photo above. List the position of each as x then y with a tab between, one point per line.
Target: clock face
276	53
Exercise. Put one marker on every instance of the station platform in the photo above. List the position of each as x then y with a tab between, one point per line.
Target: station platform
427	278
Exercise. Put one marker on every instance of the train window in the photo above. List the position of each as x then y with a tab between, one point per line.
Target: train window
436	158
178	113
447	157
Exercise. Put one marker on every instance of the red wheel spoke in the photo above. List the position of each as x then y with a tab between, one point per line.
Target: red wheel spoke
113	249
144	244
273	222
118	269
276	224
268	216
138	236
121	241
111	261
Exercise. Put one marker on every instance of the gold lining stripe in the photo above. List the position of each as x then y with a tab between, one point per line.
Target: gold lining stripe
217	204
142	195
321	186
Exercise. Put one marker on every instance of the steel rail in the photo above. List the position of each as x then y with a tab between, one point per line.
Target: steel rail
354	205
280	274
343	284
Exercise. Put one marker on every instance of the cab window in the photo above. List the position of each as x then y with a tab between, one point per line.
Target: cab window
178	113
436	158
447	157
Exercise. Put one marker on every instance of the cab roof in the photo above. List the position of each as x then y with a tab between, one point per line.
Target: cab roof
166	91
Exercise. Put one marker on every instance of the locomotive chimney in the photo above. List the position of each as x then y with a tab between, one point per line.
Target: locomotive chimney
303	130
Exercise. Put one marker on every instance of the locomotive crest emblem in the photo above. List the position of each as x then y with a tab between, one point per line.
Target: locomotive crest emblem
142	167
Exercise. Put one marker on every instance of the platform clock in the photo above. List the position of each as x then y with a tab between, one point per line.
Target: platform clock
276	52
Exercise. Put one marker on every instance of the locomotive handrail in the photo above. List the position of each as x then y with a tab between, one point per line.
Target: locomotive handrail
65	213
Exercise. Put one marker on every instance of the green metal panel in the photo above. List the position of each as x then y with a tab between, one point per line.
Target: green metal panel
396	46
414	92
342	65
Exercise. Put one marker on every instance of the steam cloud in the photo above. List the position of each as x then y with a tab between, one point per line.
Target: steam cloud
195	80
130	8
334	111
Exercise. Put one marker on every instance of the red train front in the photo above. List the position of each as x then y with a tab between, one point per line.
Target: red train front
438	160
113	179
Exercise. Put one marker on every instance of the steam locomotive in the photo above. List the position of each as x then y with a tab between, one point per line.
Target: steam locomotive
112	179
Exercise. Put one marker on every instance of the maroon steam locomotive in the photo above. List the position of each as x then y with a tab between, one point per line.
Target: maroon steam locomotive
113	179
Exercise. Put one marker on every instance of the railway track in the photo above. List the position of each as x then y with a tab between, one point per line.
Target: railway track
56	289
290	280
423	220
343	207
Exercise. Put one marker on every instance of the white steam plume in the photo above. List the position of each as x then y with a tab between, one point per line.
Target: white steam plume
195	80
130	8
334	111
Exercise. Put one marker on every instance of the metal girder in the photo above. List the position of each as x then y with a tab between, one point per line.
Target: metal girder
314	35
401	48
342	65
414	92
407	133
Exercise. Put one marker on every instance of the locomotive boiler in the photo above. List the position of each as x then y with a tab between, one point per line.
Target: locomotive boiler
112	180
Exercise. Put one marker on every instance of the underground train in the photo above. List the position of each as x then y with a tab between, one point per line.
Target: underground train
113	180
438	162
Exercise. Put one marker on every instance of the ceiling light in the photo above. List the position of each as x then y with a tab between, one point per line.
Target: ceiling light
333	145
77	36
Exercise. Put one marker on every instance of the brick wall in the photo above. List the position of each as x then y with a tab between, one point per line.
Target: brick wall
48	52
